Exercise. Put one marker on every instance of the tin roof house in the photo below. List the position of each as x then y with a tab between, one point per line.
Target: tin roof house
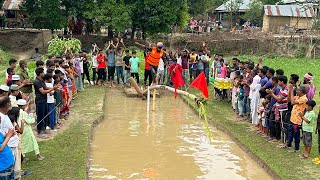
276	17
11	8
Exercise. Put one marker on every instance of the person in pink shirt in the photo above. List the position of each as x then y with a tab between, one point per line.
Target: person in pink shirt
223	68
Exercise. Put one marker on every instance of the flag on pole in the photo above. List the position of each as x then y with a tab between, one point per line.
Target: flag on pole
201	83
176	78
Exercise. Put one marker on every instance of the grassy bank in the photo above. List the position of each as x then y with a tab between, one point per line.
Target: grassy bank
4	59
66	153
284	164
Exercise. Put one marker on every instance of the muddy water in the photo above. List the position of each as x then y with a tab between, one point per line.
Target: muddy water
170	144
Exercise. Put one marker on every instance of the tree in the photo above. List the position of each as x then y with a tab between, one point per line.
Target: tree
198	7
111	13
73	7
255	12
233	8
45	14
158	16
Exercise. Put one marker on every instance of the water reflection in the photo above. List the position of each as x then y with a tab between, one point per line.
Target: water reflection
170	144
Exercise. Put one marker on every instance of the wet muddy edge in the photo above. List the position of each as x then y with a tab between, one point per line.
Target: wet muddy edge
236	140
185	100
94	124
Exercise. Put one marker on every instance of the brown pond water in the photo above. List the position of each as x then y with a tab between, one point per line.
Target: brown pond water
170	144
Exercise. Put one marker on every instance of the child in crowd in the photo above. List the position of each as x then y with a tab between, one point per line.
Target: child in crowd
29	142
240	96
50	102
135	66
13	96
65	99
126	72
307	127
234	99
7	158
12	65
10	122
261	110
58	98
10	72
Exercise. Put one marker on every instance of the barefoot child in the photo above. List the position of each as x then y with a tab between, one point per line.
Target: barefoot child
307	128
29	142
135	66
261	109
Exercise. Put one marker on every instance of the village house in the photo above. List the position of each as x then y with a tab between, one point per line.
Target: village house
235	7
13	13
279	17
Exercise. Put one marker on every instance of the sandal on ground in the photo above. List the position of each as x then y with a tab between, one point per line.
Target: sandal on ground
302	156
40	158
26	173
42	136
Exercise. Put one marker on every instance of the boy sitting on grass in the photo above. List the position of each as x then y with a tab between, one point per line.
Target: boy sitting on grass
307	128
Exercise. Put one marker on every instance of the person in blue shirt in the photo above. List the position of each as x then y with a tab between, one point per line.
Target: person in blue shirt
6	156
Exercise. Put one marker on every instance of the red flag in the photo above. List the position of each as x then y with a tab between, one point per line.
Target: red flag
176	77
201	83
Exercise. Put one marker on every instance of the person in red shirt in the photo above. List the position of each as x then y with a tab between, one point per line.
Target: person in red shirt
10	72
177	68
102	65
147	69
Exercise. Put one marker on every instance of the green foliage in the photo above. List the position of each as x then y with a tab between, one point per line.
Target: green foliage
158	16
198	7
301	52
4	59
111	13
183	17
255	12
73	7
45	14
271	2
57	45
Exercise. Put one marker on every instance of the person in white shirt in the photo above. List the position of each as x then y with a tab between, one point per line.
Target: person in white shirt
5	126
4	90
50	101
94	66
160	72
13	96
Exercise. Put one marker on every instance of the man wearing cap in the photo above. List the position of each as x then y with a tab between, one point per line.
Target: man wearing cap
26	87
4	90
156	53
13	96
29	142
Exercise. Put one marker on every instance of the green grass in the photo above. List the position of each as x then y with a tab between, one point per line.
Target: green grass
66	153
4	63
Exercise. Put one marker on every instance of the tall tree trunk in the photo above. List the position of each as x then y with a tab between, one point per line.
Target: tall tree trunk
143	33
134	28
110	32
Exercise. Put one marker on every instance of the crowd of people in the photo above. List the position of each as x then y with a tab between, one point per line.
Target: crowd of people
266	97
279	107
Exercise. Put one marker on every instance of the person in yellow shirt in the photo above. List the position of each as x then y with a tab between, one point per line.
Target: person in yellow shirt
299	106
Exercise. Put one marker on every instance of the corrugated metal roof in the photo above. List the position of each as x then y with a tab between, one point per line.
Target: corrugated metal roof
243	5
289	10
12	4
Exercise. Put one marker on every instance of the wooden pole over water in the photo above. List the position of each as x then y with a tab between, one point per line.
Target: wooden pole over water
154	100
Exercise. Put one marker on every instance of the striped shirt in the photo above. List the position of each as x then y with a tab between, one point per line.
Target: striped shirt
283	93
